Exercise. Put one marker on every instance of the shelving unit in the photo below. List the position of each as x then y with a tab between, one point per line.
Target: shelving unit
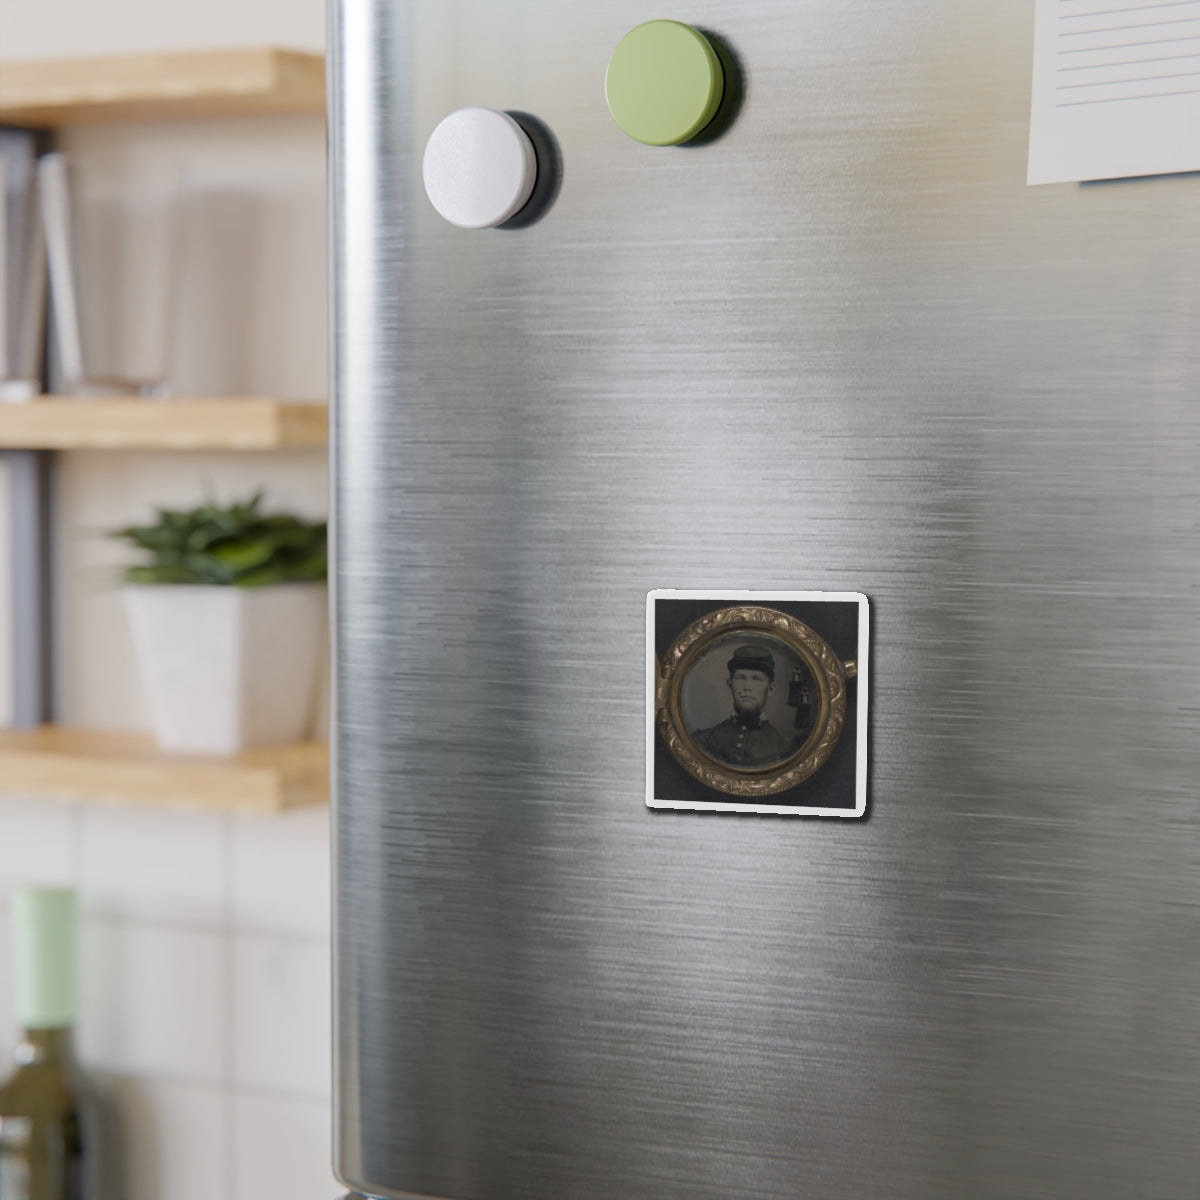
81	764
48	760
219	83
227	423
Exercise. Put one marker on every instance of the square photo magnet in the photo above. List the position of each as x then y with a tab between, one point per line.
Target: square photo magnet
757	702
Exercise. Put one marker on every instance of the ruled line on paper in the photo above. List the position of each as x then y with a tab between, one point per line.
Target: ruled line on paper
1133	45
1139	25
1132	62
1066	87
1119	99
1109	80
1114	99
1111	12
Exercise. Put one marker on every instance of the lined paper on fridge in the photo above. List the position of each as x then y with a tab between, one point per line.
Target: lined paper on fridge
1116	89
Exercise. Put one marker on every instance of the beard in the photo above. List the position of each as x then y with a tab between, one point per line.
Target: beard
748	707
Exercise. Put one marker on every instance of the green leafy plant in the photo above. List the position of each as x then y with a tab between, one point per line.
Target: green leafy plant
238	546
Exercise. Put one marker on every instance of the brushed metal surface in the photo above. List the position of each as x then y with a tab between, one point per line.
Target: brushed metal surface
841	347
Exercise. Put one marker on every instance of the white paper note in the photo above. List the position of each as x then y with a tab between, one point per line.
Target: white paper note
1116	89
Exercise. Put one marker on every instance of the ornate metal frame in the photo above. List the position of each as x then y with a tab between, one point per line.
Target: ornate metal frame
827	670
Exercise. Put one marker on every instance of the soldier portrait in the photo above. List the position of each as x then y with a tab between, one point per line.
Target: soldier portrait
747	702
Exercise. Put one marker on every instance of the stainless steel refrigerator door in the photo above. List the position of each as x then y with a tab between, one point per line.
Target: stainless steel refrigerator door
842	346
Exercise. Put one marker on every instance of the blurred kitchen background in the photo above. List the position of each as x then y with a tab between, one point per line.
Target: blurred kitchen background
205	943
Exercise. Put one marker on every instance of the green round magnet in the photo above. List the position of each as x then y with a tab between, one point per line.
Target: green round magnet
664	83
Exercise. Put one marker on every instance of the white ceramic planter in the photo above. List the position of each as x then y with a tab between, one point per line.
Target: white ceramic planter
227	668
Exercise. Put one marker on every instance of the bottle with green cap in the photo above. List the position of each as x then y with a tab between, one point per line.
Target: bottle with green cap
44	1147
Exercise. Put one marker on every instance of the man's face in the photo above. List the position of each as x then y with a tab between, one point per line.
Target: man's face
750	690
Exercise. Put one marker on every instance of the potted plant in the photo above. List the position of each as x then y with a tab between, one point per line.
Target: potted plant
228	621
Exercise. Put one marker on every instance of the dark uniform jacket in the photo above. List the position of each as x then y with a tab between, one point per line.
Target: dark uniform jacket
745	745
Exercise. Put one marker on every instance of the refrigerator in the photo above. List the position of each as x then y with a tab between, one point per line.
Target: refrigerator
830	346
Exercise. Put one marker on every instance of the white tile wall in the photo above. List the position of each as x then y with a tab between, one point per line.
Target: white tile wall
7	1015
281	873
282	1015
171	1142
154	864
156	1000
282	1150
205	978
38	843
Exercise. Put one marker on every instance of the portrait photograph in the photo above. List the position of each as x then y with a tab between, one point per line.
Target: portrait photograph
747	701
757	702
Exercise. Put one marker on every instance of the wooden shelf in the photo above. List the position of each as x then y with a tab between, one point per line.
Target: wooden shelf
216	83
78	764
228	423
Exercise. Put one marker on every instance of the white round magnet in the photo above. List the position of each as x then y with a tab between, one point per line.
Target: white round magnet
479	168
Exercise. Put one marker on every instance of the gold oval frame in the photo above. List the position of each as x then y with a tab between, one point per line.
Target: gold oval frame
828	672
